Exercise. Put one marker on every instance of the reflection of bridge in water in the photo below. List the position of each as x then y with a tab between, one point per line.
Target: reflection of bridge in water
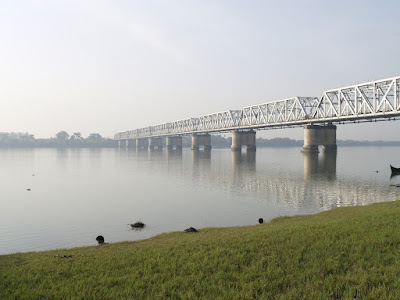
317	186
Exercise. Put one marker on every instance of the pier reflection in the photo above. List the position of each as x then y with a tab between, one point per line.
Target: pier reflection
155	154
201	164
173	154
242	162
321	165
201	155
313	186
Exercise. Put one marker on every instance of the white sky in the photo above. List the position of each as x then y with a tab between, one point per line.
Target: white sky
110	66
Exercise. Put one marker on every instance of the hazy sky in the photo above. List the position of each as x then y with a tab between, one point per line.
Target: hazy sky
110	66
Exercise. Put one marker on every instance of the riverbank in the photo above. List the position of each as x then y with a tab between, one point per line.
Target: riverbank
339	254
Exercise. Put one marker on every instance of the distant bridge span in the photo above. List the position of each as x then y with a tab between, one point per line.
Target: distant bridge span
361	102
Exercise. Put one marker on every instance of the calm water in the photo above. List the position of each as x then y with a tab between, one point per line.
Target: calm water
77	194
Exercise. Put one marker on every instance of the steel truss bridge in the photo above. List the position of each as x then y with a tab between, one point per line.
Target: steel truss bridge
361	102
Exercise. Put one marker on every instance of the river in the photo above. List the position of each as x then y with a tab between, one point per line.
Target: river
64	198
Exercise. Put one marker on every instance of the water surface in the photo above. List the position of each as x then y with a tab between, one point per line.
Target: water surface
77	194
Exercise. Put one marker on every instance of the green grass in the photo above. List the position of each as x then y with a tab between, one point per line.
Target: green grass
332	255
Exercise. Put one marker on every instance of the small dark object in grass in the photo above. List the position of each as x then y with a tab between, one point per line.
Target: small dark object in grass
138	225
191	229
63	256
260	220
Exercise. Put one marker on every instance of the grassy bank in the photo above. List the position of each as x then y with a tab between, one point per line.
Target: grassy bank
332	255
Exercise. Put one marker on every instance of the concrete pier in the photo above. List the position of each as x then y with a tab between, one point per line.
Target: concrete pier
240	138
174	142
155	143
129	143
142	144
201	140
315	135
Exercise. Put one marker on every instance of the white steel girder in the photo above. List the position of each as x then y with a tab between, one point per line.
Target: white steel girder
372	100
377	99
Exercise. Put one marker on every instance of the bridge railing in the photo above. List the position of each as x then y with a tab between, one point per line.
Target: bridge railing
377	99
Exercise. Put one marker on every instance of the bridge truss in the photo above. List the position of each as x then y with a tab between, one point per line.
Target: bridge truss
366	101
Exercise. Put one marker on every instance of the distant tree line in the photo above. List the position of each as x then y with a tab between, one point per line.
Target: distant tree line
352	143
61	139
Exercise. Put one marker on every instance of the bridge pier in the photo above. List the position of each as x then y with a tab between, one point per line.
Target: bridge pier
201	140
240	138
129	143
142	144
155	143
315	135
174	142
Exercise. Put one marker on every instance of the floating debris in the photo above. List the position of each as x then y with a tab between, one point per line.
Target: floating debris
395	185
28	190
191	229
138	225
